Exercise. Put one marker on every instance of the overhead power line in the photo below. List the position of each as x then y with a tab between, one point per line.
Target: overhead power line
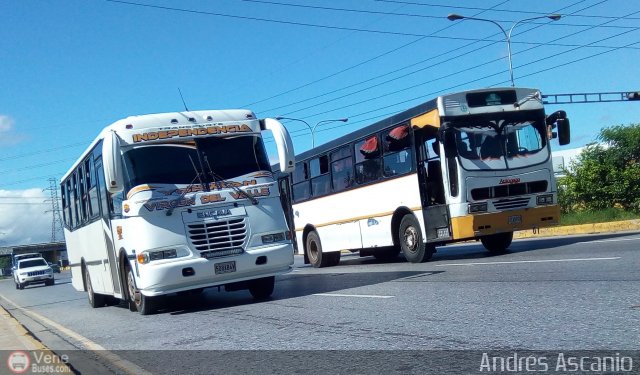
493	10
437	17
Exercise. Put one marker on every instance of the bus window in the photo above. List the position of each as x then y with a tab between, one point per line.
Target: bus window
320	179
397	151
301	188
368	166
342	174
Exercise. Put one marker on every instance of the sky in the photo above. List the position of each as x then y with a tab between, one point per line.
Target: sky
68	68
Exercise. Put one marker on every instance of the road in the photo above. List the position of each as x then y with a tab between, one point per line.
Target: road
573	293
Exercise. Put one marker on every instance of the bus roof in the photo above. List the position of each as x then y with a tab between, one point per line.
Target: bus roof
167	119
377	126
401	117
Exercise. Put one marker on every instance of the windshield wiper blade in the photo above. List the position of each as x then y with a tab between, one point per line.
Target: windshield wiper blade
217	178
188	189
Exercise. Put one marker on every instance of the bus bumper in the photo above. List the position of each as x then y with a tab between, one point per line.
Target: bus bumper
473	226
171	277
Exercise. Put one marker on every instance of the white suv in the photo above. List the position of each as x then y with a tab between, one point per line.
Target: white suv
32	271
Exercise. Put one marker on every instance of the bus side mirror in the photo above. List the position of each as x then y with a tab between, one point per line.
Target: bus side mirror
112	163
286	155
450	148
564	131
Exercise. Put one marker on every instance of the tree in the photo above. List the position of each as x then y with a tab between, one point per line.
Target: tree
606	174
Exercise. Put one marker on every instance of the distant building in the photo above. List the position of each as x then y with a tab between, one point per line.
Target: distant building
54	252
562	159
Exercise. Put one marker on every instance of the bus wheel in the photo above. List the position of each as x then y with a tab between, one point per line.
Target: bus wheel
138	301
410	240
314	251
95	300
497	243
262	289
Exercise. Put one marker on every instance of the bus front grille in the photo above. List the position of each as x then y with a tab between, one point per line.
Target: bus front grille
218	235
506	204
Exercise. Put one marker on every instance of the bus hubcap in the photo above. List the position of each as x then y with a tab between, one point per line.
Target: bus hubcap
410	238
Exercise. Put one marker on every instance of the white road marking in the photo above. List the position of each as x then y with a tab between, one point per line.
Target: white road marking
613	240
351	295
528	261
124	365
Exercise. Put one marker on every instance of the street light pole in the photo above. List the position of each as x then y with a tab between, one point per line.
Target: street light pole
553	17
312	129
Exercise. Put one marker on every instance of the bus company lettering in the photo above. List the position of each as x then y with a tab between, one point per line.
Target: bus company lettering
505	181
212	198
190	132
166	204
212	186
257	192
231	184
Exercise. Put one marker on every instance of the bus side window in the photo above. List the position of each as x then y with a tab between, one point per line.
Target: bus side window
320	179
301	188
397	146
368	165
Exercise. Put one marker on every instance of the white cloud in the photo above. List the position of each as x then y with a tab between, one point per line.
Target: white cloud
6	123
23	219
8	135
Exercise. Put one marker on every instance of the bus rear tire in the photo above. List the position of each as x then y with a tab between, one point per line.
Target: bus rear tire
262	289
497	243
95	300
137	301
317	258
411	242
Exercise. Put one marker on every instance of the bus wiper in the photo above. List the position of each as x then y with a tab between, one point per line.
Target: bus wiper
185	191
218	179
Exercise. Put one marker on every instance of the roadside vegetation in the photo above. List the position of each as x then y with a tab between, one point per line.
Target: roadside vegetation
603	183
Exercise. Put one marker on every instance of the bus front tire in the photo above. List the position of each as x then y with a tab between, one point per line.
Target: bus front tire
138	301
262	288
316	257
497	243
95	300
411	242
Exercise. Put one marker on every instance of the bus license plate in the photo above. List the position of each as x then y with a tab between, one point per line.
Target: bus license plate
225	267
515	219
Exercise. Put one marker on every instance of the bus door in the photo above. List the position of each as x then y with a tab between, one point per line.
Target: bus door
432	192
105	218
284	186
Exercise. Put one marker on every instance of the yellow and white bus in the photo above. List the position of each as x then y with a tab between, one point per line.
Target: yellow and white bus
470	165
177	202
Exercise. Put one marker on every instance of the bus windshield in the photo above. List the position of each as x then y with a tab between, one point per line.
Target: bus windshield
501	144
228	157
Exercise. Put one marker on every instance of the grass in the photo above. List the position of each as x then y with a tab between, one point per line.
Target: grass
590	217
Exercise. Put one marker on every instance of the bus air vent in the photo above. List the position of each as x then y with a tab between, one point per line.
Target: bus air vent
505	204
218	235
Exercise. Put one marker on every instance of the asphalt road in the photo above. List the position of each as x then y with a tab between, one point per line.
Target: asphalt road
575	293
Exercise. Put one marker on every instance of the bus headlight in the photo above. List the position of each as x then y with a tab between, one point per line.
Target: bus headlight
544	199
153	255
275	237
478	207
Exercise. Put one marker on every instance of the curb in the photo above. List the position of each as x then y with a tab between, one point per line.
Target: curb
567	230
17	338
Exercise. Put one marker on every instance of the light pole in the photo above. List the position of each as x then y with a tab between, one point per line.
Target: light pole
312	129
553	17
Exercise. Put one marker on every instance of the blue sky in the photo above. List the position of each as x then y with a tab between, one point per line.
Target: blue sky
70	67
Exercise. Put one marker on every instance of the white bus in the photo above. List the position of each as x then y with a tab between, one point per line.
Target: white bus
470	165
177	202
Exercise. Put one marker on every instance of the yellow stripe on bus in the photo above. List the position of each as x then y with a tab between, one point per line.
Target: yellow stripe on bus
357	218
